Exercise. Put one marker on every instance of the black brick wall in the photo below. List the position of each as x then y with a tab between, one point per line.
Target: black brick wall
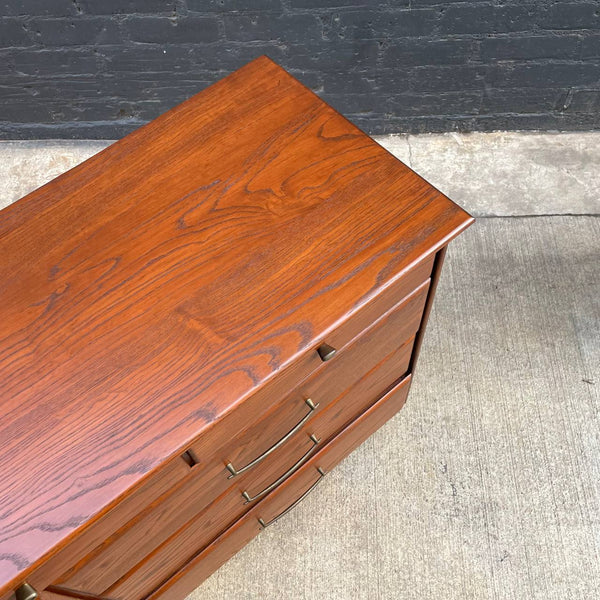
100	68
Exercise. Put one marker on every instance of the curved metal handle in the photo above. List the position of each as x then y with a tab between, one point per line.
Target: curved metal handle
287	474
292	506
26	592
234	472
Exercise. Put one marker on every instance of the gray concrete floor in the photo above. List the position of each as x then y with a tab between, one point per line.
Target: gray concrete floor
487	484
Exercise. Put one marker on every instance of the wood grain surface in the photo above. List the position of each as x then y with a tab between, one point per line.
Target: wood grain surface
237	536
192	490
149	290
213	449
383	345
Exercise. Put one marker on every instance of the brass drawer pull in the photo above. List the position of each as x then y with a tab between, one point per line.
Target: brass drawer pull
287	474
311	405
26	592
292	506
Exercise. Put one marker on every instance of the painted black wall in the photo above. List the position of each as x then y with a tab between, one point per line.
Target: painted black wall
100	68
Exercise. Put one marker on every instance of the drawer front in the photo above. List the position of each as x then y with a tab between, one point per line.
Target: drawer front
157	485
129	545
263	419
221	513
203	564
349	376
347	406
353	361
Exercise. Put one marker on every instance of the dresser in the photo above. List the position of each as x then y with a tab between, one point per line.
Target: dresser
196	325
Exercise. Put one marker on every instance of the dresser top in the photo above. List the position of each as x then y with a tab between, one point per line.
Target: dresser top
148	290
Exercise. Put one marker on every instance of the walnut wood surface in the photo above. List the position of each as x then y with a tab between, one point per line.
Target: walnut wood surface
330	380
176	552
236	537
70	566
179	550
173	474
149	290
381	343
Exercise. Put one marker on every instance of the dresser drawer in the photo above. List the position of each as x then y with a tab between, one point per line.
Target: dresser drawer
353	360
267	416
373	363
205	562
338	414
157	485
125	546
341	389
231	505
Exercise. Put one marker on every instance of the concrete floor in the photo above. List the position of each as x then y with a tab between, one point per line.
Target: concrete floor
487	484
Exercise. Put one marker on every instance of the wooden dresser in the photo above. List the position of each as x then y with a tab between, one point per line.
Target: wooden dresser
196	325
